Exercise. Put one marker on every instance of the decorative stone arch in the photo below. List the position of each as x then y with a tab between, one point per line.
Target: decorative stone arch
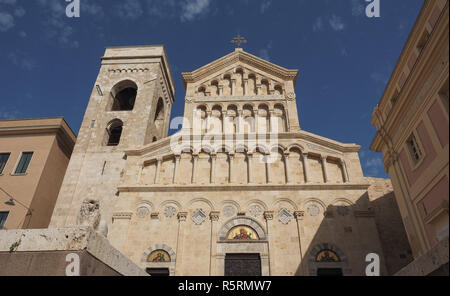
170	202
345	209
225	246
143	209
223	149
278	147
259	202
286	200
262	148
313	265
230	203
242	221
295	145
342	200
163	247
313	200
241	148
203	200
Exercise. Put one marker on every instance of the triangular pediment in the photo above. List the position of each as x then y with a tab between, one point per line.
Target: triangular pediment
239	59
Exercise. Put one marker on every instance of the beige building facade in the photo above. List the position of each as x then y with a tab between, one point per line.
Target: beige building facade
413	131
240	190
34	155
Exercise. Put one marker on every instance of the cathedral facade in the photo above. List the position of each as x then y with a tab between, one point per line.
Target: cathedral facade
240	190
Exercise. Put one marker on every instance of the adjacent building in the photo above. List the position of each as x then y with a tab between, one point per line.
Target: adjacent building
413	131
34	155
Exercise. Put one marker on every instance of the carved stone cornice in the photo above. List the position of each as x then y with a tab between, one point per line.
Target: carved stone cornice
236	57
239	187
122	216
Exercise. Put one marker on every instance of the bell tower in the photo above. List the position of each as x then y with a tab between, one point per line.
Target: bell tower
129	108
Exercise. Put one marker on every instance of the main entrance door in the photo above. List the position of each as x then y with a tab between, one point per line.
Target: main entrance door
242	265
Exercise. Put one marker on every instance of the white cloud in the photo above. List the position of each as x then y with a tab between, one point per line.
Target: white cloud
8	115
336	23
21	60
357	7
192	8
129	10
264	52
379	77
9	2
6	21
265	5
318	25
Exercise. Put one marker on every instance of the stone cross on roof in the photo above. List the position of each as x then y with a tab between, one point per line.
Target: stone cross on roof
238	40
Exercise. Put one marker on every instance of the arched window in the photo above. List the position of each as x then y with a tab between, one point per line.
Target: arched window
114	131
124	96
278	90
202	91
215	88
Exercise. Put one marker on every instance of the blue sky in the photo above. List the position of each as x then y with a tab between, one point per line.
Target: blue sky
49	62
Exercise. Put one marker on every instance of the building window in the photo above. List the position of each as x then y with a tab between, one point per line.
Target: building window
124	96
114	130
414	150
24	162
3	217
3	160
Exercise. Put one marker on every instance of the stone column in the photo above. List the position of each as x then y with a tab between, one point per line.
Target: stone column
325	168
213	168
214	216
286	167
245	86
272	121
268	215
158	170
344	171
299	215
306	167
180	241
255	112
224	117
269	176
240	127
230	173
194	167
208	121
220	90
233	86
175	171
249	168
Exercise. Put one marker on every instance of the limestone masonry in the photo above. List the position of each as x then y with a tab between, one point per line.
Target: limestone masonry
240	184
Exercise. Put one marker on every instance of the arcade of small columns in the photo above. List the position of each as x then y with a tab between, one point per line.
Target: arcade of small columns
254	163
233	118
239	82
